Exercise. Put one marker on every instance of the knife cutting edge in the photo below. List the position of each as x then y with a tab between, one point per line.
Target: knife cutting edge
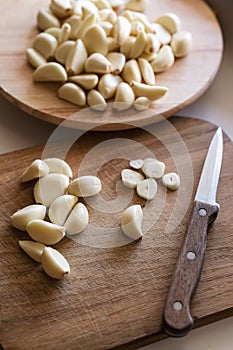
177	319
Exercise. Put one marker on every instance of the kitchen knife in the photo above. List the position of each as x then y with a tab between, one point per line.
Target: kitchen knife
177	319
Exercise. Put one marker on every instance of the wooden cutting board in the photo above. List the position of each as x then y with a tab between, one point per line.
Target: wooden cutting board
114	297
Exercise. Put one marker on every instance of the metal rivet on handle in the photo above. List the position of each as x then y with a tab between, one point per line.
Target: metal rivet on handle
177	306
202	212
191	255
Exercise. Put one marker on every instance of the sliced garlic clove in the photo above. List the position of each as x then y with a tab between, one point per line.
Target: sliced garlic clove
61	8
164	59
49	187
85	186
50	72
107	27
146	71
46	19
127	46
131	222
54	263
77	220
136	5
36	169
95	40
61	208
170	21
63	50
162	34
124	97
131	72
72	93
171	181
152	92
131	178
121	30
117	60
147	189
98	63
139	45
76	58
152	44
86	81
141	103
59	166
64	33
181	43
35	58
45	44
45	232
87	23
154	169
33	249
22	217
96	100
136	163
108	84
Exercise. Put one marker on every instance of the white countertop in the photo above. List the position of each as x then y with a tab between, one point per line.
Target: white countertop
19	130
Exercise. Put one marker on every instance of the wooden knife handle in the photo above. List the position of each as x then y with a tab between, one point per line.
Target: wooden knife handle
177	320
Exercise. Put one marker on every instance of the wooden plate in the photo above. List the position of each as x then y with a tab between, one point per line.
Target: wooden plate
186	80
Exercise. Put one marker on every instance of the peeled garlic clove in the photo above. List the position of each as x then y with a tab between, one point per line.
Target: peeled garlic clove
121	30
102	4
50	72
141	17
108	84
127	46
64	33
139	45
59	166
54	263
154	169
128	15
45	44
148	160
95	40
152	44
170	21
146	71
147	189
76	58
117	5
98	63
117	60
37	169
46	19
111	43
131	72
181	43
136	27
148	56
35	58
162	34
81	6
108	15
49	187
72	93
171	181
54	31
131	178
63	50
87	23
107	27
124	97
86	81
136	163
45	232
152	92
74	21
141	103
164	60
96	100
131	222
61	8
61	208
85	186
136	5
22	217
77	220
33	249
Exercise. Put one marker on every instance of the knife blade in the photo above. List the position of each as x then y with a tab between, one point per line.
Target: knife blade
177	319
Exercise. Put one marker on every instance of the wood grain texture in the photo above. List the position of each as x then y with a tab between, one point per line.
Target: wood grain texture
113	298
186	80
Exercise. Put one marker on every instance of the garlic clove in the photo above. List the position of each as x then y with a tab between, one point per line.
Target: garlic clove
54	263
61	8
86	81
45	232
142	103
78	219
87	23
108	15
171	181
131	222
63	50
139	45
181	43
96	100
76	58
64	33
45	44
98	63
131	178
147	189
121	30
59	166
54	31
170	21
61	207
152	92
108	84
124	97
164	59
46	19
136	163
117	60
154	169
49	187
152	44
127	46
146	71
50	72
72	93
95	40
85	186
35	58
107	27
131	72
33	249
22	217
162	34
136	5
36	169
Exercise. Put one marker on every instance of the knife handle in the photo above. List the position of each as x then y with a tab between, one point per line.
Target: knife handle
177	320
